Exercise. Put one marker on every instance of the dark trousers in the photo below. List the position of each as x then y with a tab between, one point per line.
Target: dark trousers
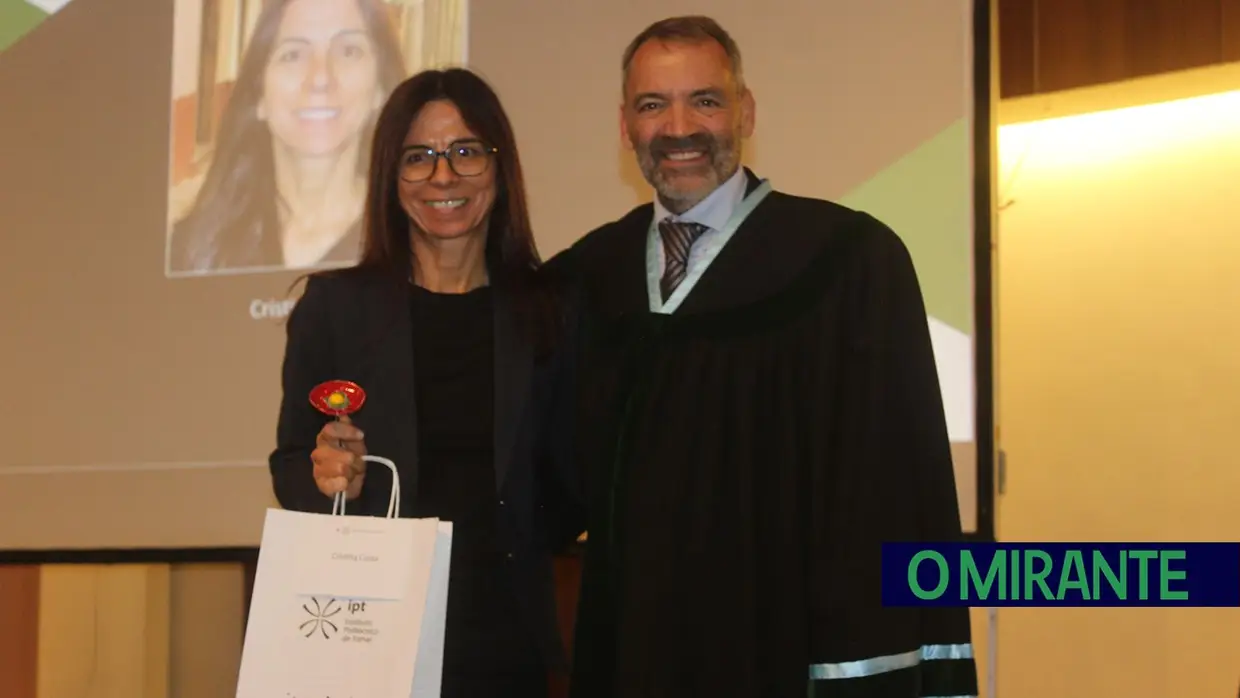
481	683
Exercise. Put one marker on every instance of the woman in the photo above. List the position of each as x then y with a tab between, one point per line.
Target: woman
445	326
286	181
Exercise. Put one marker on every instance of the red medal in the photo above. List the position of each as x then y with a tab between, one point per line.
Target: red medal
337	398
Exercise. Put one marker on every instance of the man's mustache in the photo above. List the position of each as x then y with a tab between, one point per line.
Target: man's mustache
661	146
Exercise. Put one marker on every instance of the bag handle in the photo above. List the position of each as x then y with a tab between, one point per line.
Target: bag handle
393	499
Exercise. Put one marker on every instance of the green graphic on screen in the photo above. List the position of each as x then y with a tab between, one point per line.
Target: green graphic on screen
19	17
925	197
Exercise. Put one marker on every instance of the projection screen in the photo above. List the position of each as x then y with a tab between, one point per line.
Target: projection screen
144	139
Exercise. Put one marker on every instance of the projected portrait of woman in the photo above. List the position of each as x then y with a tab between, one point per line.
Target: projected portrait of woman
277	181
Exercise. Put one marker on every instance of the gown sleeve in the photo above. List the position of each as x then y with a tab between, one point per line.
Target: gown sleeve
563	500
307	362
887	477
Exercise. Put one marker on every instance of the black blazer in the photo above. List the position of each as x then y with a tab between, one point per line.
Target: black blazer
355	325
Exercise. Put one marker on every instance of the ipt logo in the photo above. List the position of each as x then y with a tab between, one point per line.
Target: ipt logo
324	618
321	615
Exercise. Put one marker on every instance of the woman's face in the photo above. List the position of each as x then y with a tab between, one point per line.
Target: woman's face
446	205
322	81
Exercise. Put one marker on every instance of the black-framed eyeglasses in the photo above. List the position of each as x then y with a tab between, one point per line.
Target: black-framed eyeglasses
467	158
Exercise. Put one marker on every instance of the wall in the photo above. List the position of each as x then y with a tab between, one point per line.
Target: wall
1050	45
187	31
1119	318
121	631
229	56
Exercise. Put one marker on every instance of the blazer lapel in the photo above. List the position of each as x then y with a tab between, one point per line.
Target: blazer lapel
391	393
514	357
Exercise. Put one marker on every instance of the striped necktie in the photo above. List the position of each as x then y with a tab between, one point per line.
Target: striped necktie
678	238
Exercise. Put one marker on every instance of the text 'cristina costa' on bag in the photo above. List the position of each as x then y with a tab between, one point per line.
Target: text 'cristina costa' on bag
354	557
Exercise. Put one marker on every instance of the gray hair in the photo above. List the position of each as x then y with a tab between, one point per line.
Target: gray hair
690	28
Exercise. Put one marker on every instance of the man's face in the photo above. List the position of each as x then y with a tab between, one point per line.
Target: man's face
685	117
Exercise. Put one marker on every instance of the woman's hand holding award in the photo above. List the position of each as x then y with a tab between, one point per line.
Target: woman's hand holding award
339	399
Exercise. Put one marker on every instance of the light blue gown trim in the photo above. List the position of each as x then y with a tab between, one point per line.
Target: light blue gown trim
873	666
747	205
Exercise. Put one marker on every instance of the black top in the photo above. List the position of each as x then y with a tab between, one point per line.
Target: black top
453	356
748	455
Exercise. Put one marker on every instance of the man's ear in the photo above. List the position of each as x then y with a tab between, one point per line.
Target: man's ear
624	129
748	109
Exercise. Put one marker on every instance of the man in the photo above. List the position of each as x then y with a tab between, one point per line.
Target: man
759	412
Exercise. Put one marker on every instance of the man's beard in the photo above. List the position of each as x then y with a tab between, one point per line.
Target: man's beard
722	159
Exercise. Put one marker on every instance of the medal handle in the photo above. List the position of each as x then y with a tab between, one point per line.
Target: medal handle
393	499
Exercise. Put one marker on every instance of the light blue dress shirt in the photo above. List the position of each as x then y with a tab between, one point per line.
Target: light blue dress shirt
714	212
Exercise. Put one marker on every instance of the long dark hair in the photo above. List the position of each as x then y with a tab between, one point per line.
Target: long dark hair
511	253
512	257
235	214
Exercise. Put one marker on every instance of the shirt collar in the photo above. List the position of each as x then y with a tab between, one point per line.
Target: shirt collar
715	210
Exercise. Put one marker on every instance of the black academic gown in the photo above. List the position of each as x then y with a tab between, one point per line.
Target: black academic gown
749	454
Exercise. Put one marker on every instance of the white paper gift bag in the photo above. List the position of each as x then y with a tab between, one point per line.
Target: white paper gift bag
348	606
